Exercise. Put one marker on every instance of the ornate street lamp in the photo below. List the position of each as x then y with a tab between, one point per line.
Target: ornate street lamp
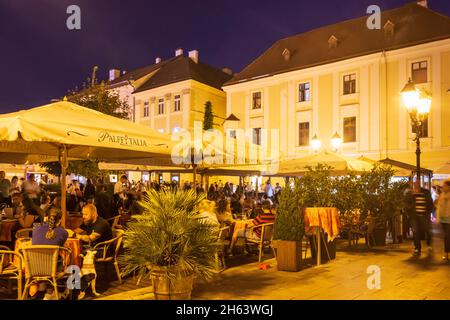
336	141
315	143
418	104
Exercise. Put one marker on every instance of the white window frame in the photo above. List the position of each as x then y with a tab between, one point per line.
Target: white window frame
146	110
422	59
159	104
175	100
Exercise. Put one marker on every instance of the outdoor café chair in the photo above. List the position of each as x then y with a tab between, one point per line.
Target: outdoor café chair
223	243
265	241
108	251
24	233
10	270
114	222
41	264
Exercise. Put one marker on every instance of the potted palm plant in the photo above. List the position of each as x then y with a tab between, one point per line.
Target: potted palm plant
288	232
170	243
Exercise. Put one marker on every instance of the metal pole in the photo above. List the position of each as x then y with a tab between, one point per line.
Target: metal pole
418	152
64	165
318	247
194	167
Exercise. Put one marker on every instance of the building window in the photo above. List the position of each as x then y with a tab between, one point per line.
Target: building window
419	72
256	100
177	103
423	128
350	129
176	129
304	92
350	84
257	136
146	113
161	106
233	134
303	134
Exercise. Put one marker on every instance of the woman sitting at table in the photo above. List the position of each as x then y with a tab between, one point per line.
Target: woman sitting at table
223	212
51	233
28	213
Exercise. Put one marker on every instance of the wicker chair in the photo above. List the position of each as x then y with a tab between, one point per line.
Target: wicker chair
106	254
10	269
223	243
24	233
41	264
264	241
114	221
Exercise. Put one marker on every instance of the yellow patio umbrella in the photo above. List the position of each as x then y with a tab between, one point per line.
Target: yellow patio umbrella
64	130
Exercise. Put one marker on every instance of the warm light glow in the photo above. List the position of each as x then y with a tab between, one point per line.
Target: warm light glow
410	96
315	143
336	141
424	105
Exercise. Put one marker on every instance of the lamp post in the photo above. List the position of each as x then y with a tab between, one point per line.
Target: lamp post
418	104
315	143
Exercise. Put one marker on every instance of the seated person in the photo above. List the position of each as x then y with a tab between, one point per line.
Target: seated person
94	229
50	233
29	213
206	211
263	217
223	212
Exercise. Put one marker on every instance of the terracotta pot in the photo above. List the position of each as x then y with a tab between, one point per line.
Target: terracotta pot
165	288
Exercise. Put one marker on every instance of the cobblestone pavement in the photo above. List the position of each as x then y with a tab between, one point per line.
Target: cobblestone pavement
402	277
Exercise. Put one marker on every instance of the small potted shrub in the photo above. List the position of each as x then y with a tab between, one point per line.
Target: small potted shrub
289	231
170	243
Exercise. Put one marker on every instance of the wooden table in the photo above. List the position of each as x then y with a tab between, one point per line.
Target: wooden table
317	219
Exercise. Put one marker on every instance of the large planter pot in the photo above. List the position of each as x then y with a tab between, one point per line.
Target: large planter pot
325	245
379	236
165	288
289	255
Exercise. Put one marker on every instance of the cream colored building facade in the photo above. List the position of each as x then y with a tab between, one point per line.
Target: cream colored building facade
357	97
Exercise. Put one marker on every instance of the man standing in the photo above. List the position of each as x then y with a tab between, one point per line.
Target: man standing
120	188
421	220
5	185
31	187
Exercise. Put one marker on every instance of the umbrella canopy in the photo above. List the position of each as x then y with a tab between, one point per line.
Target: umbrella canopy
86	134
64	130
338	163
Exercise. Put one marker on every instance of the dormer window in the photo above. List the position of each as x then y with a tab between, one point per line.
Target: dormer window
332	42
389	28
286	54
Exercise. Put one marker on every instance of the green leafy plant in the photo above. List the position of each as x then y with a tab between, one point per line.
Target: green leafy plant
348	197
170	236
381	196
208	119
316	187
289	225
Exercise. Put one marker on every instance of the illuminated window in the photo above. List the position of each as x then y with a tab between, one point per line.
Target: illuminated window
177	103
303	134
161	106
350	129
350	84
256	100
419	72
304	92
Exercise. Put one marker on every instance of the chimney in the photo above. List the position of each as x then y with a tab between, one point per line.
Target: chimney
423	3
194	55
227	71
158	60
178	52
114	74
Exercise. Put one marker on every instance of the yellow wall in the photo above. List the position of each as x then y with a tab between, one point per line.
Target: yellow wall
445	98
393	104
325	102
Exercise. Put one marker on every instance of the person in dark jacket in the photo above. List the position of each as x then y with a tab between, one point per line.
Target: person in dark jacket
421	219
89	190
103	203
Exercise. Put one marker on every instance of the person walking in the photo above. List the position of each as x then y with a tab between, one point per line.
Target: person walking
421	220
443	217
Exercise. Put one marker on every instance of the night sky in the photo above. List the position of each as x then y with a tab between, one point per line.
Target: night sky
41	59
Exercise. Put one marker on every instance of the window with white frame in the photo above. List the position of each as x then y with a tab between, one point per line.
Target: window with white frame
303	134
233	134
146	109
177	103
304	92
350	84
256	100
161	106
419	72
349	126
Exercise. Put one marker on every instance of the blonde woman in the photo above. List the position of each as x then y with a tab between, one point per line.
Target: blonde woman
443	217
206	210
